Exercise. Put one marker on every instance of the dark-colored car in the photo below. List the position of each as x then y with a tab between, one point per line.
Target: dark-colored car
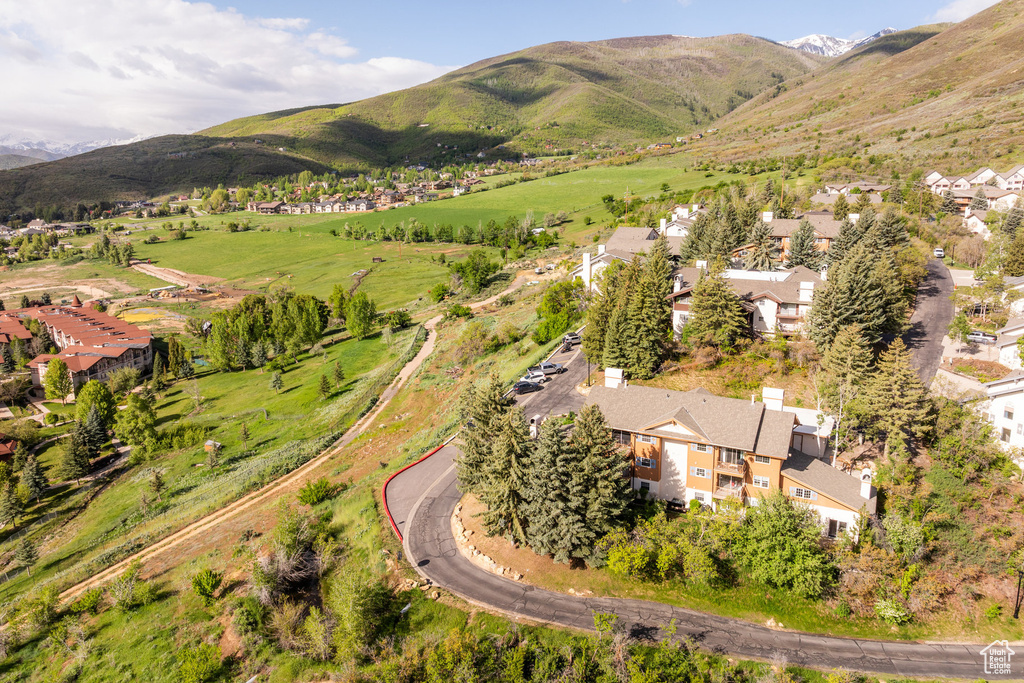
525	387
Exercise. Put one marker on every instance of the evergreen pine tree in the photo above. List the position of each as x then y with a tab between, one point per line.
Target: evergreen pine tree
95	431
895	397
505	476
2	307
482	408
26	554
979	202
763	251
598	487
339	374
158	372
599	312
243	435
33	478
1012	222
890	231
20	457
6	358
716	317
546	489
324	387
841	209
615	342
768	193
845	367
74	458
276	383
175	356
949	205
802	250
10	506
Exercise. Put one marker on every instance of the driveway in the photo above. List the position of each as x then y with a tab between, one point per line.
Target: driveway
932	315
430	547
559	395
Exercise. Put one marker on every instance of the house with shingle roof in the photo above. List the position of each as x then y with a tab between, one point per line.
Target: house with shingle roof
693	445
775	300
624	244
826	228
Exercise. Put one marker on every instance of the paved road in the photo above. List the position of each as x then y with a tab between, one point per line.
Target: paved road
559	395
930	321
430	547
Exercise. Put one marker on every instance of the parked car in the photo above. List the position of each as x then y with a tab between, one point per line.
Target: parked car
525	387
538	270
979	337
534	376
548	368
939	252
550	266
571	338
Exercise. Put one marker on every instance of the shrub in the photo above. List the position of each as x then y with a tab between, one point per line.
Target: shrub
994	611
439	292
88	602
198	664
843	610
458	311
506	300
205	584
249	617
892	612
316	492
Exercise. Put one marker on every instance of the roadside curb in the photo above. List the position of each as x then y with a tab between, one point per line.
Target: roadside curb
384	488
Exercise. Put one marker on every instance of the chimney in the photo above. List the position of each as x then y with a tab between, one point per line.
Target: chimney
677	283
663	223
684	213
767	216
702	265
854	217
773	398
586	269
865	483
600	250
806	291
695	207
613	378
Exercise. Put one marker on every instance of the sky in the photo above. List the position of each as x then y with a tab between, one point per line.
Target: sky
91	70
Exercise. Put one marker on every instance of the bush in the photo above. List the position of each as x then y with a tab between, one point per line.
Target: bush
892	612
994	611
198	664
205	585
440	292
843	610
506	300
458	311
316	492
88	602
249	617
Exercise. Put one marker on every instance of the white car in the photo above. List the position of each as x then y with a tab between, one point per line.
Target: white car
939	252
534	376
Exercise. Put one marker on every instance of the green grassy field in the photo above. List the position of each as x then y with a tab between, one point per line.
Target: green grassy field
113	521
91	278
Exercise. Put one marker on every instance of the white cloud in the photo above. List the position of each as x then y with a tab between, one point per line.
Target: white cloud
958	10
149	67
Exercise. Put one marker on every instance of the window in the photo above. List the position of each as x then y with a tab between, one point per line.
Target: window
1008	412
731	456
1020	428
645	438
699	472
1005	436
645	486
701	447
649	463
762	460
761	482
620	437
803	494
836	528
698	497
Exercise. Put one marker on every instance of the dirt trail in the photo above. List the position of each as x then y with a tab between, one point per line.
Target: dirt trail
206	524
175	277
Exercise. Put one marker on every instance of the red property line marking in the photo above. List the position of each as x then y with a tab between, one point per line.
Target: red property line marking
384	489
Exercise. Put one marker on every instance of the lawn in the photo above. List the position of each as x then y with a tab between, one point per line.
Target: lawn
114	521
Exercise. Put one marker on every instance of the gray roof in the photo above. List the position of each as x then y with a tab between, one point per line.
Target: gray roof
728	422
826	479
787	291
626	242
824	224
822	198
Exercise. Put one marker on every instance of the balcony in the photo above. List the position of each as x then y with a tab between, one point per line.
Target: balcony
728	492
737	468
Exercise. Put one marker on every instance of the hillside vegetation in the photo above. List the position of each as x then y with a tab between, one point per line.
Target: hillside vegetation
922	94
560	95
9	161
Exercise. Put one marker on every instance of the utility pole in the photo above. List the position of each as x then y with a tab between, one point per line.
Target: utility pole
1016	600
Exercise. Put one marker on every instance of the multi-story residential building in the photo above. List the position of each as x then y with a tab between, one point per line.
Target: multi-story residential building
1003	408
826	229
624	244
92	344
775	300
693	445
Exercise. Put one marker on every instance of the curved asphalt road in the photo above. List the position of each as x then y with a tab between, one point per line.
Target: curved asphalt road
422	499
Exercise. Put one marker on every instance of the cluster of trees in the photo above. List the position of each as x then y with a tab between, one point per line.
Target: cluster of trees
119	253
22	481
560	309
36	248
628	322
514	234
872	273
560	494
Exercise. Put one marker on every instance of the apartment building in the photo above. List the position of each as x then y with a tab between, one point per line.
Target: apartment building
693	445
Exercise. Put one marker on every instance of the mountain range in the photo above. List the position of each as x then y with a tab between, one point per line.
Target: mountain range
948	94
830	46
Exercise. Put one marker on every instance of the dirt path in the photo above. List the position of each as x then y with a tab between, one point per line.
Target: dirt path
205	525
175	277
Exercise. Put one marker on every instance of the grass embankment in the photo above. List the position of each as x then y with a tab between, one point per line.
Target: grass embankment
79	538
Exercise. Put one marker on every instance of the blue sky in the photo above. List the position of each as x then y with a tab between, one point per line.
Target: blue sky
114	70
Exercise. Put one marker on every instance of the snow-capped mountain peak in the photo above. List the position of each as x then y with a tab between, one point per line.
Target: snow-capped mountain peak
830	46
48	150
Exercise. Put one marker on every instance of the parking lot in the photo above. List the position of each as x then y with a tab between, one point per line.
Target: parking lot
559	395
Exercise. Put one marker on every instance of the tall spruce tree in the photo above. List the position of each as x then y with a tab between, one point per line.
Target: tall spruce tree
482	407
1014	219
845	368
841	209
615	344
763	252
94	431
649	317
546	490
849	235
979	202
802	250
716	317
73	462
503	486
949	205
598	486
10	506
26	554
890	231
895	398
602	304
33	478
